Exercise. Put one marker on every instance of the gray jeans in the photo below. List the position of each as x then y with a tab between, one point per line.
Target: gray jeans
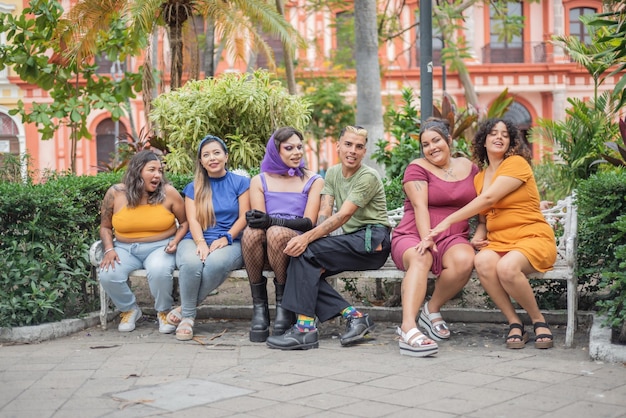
147	255
196	279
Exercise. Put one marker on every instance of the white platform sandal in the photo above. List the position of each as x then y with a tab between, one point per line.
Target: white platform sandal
413	344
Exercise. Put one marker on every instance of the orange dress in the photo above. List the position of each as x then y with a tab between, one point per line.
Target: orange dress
515	222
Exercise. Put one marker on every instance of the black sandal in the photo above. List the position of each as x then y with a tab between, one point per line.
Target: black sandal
516	341
549	343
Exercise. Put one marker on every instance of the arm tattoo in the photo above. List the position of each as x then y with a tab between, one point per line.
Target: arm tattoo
417	186
107	206
327	203
321	219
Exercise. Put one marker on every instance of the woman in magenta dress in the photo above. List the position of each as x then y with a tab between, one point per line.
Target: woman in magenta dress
436	186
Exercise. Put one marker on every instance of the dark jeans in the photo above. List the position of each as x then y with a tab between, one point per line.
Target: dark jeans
308	293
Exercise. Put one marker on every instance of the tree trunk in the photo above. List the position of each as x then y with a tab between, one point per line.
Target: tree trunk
209	48
288	56
468	87
175	34
369	108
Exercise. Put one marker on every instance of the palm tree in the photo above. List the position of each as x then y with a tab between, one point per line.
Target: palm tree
596	57
238	22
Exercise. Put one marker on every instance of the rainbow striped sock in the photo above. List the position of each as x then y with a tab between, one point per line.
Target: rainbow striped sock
305	323
351	311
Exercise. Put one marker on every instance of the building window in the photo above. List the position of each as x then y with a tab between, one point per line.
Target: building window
344	53
522	119
9	143
576	27
276	46
106	66
504	47
5	8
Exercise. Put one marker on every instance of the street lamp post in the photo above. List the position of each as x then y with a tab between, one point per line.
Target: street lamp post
426	59
116	74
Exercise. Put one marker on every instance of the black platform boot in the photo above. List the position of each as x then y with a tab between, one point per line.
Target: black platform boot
284	318
260	324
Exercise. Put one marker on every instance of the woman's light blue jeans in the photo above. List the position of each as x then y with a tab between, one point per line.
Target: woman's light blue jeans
147	255
197	279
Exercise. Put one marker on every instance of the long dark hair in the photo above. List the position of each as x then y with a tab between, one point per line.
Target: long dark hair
134	184
517	146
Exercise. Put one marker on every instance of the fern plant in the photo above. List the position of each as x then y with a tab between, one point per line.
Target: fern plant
579	139
620	150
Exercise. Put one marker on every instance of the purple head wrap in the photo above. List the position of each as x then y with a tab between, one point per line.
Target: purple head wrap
272	163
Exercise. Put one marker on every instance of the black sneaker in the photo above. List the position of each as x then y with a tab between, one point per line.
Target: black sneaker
294	339
356	328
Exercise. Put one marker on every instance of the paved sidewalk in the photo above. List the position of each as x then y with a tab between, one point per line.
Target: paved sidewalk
95	373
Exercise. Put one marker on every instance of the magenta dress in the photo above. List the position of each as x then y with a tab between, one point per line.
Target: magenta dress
444	198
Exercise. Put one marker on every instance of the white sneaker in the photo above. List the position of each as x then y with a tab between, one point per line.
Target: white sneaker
164	326
128	319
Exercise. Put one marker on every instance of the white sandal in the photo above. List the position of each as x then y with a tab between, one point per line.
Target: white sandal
174	316
413	344
434	324
186	324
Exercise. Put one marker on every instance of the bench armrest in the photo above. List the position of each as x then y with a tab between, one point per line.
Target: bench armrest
95	253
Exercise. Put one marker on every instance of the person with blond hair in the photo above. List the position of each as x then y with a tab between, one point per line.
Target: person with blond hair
359	196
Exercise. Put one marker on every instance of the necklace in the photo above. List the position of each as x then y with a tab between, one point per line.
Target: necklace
449	172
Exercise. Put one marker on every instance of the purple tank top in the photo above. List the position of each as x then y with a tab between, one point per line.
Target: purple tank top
287	205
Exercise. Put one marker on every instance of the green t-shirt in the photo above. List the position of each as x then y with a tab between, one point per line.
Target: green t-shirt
364	189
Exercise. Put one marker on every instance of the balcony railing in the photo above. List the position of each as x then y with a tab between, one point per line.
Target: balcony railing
527	52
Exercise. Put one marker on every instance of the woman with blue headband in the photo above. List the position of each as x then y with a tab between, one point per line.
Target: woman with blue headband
216	203
285	200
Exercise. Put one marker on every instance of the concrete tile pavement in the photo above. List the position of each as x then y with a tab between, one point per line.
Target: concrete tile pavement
95	373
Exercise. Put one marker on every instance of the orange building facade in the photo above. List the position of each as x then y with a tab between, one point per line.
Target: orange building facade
539	75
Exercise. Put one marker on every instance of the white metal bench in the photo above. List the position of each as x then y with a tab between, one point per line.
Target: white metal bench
562	215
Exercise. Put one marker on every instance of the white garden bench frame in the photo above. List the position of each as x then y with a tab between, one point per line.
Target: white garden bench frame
563	214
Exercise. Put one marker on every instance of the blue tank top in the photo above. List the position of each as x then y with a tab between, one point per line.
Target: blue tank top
287	205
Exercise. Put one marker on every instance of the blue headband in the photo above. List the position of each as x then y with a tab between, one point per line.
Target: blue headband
209	138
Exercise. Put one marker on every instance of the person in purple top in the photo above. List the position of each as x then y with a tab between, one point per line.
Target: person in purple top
435	186
285	200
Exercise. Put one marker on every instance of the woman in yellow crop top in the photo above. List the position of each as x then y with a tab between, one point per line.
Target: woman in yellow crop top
138	228
513	237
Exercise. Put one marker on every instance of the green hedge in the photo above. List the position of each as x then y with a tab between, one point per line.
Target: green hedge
602	238
45	235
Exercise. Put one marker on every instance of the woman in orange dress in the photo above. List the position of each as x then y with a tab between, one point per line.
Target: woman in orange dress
512	235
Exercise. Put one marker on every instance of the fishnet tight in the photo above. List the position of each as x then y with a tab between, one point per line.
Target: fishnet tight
258	254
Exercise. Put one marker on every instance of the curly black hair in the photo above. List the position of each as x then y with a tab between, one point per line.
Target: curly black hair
517	145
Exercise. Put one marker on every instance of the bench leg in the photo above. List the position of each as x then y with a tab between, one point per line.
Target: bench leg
104	307
572	310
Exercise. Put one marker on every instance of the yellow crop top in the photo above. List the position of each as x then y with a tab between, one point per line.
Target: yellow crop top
143	221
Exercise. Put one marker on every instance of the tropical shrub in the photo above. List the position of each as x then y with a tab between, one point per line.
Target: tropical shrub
242	109
330	112
579	140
